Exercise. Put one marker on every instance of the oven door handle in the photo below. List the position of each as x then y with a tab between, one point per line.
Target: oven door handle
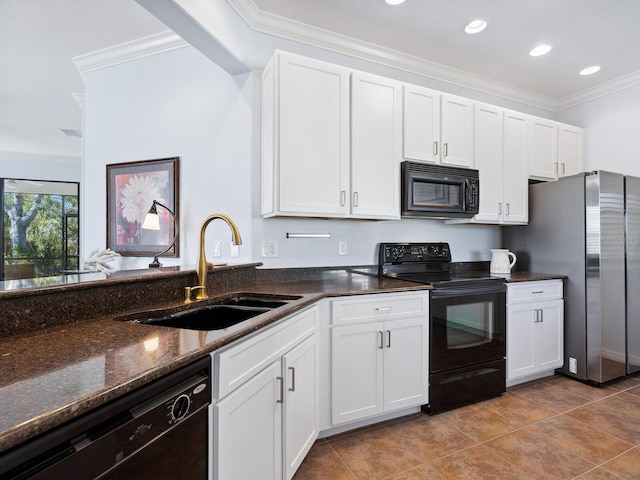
467	290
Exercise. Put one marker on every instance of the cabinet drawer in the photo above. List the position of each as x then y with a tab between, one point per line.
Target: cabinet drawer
378	308
532	291
237	363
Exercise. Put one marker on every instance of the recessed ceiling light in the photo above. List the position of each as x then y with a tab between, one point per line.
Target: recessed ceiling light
590	70
476	26
540	50
394	2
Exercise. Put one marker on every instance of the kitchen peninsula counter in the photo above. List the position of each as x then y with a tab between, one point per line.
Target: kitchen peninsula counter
63	352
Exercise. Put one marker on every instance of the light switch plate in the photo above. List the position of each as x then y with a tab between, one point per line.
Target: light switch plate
217	248
342	247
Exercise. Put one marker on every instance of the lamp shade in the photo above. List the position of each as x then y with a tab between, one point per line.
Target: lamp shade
151	221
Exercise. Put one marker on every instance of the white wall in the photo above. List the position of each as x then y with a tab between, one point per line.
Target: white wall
173	104
181	104
611	131
40	167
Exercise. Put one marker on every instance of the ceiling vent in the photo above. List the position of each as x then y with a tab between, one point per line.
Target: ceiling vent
71	133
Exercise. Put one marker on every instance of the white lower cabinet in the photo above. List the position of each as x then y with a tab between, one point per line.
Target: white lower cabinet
535	329
379	355
264	426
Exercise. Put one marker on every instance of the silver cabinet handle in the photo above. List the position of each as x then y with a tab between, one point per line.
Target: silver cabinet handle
381	335
508	209
555	167
292	388
355	199
446	149
383	309
562	168
281	381
435	148
343	198
541	315
388	338
499	208
535	315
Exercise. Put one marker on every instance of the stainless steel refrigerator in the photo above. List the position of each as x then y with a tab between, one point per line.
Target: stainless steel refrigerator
577	228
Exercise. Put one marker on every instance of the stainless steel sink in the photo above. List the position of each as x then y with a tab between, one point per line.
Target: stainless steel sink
216	315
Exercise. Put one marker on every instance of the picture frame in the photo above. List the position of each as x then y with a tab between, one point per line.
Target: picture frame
131	189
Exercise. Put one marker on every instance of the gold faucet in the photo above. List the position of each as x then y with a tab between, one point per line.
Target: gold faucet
202	266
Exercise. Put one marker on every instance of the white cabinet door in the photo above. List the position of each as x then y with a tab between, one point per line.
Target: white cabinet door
487	145
300	403
406	363
356	372
376	126
248	429
456	123
421	124
551	335
570	153
515	163
305	145
543	161
521	340
535	337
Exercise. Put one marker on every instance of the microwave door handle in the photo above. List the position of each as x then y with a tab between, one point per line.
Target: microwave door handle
467	194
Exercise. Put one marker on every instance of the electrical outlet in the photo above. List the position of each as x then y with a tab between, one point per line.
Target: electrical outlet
269	249
342	247
573	365
217	248
235	250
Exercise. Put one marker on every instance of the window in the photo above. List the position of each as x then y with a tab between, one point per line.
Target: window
40	226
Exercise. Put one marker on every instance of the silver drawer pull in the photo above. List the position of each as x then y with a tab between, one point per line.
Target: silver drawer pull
383	309
538	291
292	388
281	382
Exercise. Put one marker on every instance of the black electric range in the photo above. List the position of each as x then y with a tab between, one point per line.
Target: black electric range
467	323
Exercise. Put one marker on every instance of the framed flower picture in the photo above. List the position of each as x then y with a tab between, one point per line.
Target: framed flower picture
131	189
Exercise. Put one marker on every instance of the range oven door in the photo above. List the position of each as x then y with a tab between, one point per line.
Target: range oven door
467	325
467	331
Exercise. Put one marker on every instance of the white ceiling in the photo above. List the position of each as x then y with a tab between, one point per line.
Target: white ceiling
39	38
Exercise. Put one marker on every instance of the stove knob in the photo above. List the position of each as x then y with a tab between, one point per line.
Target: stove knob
394	253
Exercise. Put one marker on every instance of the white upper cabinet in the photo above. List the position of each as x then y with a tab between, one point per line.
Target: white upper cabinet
456	123
333	139
437	128
329	148
421	124
556	150
515	167
501	154
543	162
305	137
570	150
488	160
376	135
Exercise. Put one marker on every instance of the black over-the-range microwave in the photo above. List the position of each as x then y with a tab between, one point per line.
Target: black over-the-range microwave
437	191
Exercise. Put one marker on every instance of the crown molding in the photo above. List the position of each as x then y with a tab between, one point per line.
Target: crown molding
626	81
129	51
270	24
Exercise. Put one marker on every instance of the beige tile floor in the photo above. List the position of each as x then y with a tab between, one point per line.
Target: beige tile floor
554	428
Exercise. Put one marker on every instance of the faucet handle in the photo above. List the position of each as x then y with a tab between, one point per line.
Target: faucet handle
188	290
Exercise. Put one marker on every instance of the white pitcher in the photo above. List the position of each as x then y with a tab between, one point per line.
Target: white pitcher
502	260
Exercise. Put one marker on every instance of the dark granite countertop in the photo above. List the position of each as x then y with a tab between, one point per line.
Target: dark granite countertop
56	369
54	374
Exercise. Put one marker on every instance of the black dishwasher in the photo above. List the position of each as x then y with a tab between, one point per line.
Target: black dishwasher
158	431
